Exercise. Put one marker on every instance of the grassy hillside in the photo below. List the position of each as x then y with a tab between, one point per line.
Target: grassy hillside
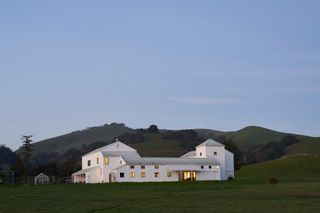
294	168
312	147
155	146
251	136
76	139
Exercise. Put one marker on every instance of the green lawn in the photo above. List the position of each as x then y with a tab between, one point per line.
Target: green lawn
298	190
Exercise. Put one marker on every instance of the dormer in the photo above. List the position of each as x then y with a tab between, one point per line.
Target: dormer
210	148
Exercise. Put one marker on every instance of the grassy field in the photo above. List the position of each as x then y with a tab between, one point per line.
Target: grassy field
250	192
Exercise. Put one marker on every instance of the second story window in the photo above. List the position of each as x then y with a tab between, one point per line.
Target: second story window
143	167
97	160
89	162
209	167
106	160
215	153
132	167
156	166
200	153
201	167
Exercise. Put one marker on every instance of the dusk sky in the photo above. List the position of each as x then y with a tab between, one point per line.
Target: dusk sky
68	65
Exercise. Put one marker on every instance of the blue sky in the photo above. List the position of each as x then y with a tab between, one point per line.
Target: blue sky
67	65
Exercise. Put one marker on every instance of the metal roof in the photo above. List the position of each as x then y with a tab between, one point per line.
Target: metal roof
83	171
210	142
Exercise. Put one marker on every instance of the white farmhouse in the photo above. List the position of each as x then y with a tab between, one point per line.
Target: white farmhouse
117	162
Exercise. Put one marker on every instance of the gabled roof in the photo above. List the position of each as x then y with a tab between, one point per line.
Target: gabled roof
127	156
210	143
115	146
189	154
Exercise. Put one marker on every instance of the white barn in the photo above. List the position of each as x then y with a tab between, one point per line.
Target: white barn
118	162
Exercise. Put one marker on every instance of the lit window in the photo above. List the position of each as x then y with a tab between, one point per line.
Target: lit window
143	167
131	167
217	167
214	153
201	167
209	167
156	166
121	174
106	160
142	174
156	174
132	174
200	153
169	174
97	160
89	162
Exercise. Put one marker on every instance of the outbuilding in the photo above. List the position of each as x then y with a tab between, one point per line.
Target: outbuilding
41	179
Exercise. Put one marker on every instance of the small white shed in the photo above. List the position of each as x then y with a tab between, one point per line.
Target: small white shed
41	179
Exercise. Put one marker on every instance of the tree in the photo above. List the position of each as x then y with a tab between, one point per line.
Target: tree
26	153
153	129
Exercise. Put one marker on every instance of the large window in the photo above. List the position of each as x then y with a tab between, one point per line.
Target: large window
122	174
156	174
106	160
142	174
132	174
89	162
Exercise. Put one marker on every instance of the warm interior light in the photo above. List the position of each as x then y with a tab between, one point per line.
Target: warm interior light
106	160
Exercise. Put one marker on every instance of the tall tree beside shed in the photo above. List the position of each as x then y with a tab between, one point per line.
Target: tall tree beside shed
26	153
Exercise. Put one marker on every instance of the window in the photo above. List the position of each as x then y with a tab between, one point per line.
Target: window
156	174
132	167
169	174
201	167
156	166
132	174
121	174
106	160
143	167
142	174
89	162
200	153
120	161
98	160
209	167
214	153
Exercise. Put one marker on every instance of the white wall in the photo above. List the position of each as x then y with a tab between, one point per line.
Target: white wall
93	158
114	162
229	170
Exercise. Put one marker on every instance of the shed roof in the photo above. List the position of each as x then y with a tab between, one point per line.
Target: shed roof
83	171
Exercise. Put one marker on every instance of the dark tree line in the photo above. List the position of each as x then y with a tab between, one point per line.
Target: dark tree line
269	151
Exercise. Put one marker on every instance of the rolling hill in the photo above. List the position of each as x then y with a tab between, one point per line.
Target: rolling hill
156	145
79	138
292	168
